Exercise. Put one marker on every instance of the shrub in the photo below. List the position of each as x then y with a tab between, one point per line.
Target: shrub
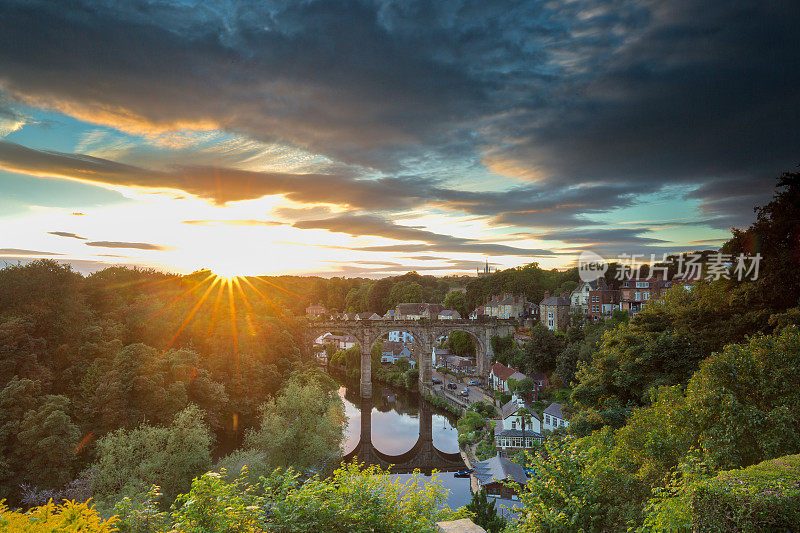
68	516
762	497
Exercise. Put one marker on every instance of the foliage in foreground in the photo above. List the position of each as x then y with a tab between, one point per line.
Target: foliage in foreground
69	516
763	497
354	498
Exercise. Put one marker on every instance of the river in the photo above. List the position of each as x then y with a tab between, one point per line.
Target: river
399	425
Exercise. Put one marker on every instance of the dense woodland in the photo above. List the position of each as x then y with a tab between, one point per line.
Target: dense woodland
122	381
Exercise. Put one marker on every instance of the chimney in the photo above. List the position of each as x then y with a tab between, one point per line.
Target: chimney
547	294
565	295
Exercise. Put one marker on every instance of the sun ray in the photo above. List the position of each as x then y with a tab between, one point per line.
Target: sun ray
282	289
266	300
216	307
182	296
192	312
250	312
232	308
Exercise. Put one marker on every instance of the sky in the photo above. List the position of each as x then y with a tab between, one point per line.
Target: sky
370	138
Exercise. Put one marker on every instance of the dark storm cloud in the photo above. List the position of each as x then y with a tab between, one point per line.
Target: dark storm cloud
66	234
130	245
597	102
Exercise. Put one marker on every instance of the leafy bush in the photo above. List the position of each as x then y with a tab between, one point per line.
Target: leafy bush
762	497
352	499
442	404
131	461
49	518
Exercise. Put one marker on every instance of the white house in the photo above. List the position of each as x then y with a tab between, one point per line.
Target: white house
449	314
554	418
579	298
509	434
499	375
340	342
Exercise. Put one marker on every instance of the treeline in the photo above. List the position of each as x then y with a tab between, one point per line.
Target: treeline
84	357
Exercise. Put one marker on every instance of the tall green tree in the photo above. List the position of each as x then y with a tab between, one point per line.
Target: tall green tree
484	512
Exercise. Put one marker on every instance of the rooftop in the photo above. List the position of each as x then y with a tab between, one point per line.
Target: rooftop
499	469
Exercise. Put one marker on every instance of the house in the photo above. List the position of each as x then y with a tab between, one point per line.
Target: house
477	312
417	311
541	382
579	298
554	417
439	355
499	375
392	351
505	306
509	435
389	315
316	311
602	303
457	362
449	314
368	316
635	293
554	312
493	474
400	336
339	342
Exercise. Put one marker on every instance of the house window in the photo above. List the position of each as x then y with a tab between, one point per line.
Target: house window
551	323
642	284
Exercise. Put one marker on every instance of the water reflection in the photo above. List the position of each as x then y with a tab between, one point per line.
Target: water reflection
405	432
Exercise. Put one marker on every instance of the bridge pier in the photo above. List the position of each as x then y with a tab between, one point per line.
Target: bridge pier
424	348
366	370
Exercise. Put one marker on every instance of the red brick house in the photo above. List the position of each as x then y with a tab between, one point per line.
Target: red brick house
635	293
602	303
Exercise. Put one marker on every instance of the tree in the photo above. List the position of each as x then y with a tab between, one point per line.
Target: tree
303	426
542	350
130	461
747	401
457	300
484	513
461	343
774	235
405	292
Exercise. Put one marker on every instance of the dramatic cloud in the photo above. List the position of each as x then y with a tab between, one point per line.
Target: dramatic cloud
358	225
530	114
66	234
17	251
131	245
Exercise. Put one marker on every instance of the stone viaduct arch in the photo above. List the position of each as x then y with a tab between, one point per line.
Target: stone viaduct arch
425	333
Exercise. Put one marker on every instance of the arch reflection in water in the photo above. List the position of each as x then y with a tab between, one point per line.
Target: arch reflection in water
422	453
